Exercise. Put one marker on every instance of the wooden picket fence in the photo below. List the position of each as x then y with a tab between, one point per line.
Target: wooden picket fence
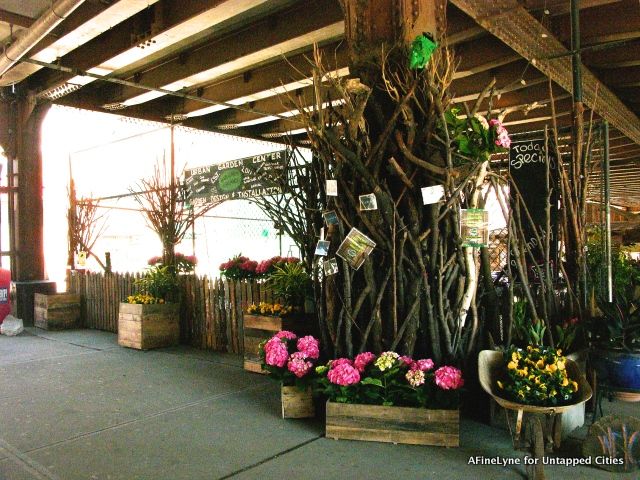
210	308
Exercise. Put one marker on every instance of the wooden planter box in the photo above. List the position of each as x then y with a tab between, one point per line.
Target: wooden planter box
57	312
258	328
376	423
296	403
148	326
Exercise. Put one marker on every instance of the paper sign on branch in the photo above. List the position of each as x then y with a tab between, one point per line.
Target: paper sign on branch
332	188
432	194
355	248
474	227
368	202
331	217
322	248
330	266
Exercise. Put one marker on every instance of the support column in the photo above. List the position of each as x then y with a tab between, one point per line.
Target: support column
21	142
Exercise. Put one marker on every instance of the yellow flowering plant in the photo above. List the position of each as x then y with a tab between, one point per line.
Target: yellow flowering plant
144	299
537	375
275	309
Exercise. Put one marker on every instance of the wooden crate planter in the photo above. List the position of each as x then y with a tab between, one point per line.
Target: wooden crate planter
258	328
376	423
296	403
148	326
57	312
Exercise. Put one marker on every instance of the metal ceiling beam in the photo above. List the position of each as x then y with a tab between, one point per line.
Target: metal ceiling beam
277	34
510	22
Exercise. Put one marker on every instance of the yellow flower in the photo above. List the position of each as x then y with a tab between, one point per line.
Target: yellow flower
559	352
512	365
561	365
574	386
551	368
500	384
515	356
540	364
565	382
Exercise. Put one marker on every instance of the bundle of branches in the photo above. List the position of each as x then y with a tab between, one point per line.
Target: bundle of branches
162	199
85	223
389	137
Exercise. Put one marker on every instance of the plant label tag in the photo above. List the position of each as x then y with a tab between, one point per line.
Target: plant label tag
322	248
432	194
332	188
368	202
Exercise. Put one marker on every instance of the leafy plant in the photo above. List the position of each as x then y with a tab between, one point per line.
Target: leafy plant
291	283
476	137
536	376
619	326
158	282
389	379
527	332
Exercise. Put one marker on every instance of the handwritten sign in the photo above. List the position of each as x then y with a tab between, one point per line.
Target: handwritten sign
528	172
236	179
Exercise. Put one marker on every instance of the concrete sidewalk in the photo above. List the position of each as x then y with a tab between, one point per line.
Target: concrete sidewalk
76	406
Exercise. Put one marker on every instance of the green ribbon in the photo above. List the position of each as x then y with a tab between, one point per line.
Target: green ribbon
421	50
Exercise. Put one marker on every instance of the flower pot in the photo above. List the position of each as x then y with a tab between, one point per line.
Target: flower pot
148	326
377	423
296	403
617	368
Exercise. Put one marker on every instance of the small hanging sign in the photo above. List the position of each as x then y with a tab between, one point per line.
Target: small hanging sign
368	202
331	218
322	248
330	266
332	188
81	259
474	227
355	248
432	194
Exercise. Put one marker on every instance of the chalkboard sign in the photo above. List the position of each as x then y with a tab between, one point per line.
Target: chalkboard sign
236	179
528	171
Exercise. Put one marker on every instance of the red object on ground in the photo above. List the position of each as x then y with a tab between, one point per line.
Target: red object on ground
5	283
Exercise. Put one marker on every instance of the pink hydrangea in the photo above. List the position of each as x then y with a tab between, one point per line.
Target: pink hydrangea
276	353
406	360
415	378
298	364
286	334
449	378
340	361
423	365
309	346
362	360
343	374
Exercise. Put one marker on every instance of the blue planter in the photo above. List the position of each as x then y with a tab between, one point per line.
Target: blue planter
617	368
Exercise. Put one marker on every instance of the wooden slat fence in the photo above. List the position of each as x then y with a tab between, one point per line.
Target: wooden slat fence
210	308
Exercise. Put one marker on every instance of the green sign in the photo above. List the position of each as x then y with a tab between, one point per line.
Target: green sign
474	227
236	179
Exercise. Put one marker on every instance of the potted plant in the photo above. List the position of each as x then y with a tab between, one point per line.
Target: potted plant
291	283
150	318
290	360
390	398
239	267
615	333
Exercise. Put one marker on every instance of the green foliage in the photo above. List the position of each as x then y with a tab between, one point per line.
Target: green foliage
474	138
536	376
159	282
526	331
291	283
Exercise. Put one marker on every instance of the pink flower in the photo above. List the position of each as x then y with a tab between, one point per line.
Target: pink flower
422	365
309	346
415	377
406	360
362	360
298	365
449	378
343	374
286	334
340	361
276	353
